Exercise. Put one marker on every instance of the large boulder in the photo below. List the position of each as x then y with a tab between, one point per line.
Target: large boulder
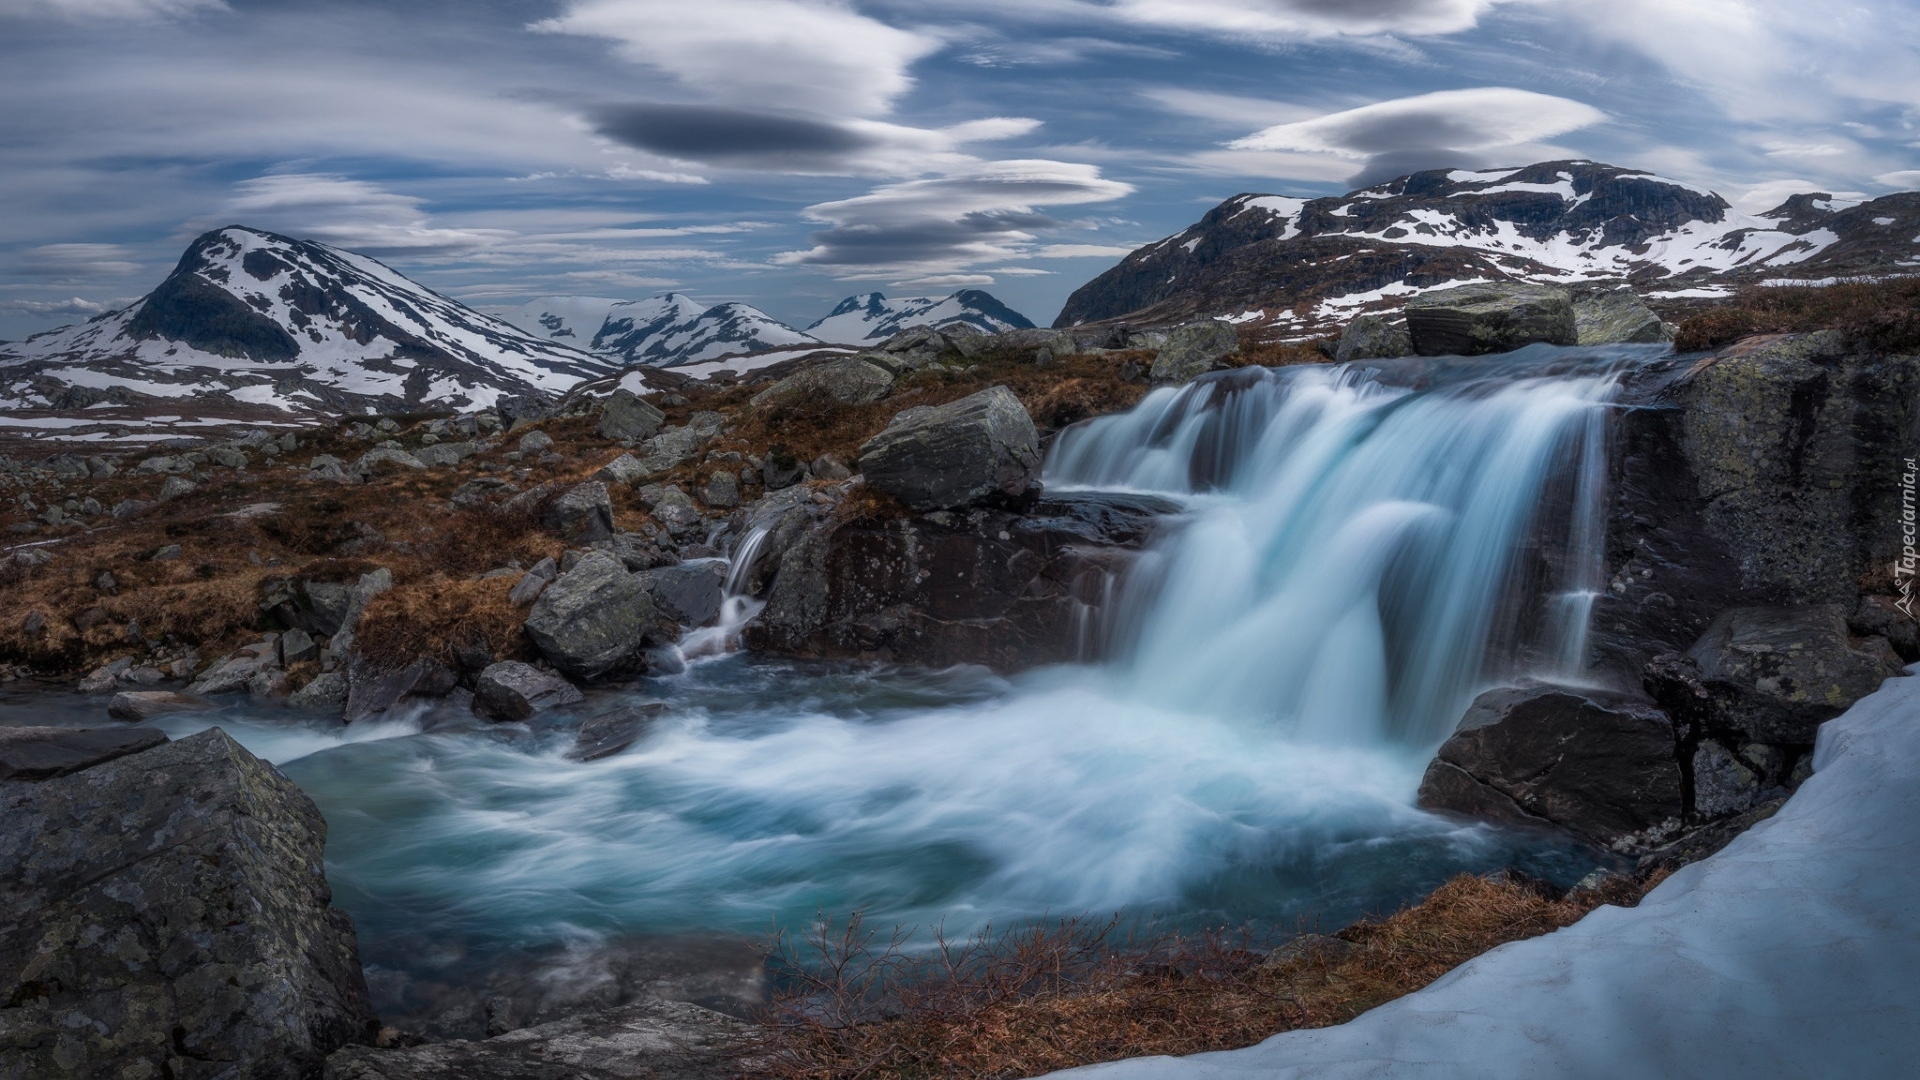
1599	765
624	417
846	380
689	593
1770	674
511	690
373	689
164	914
1373	337
944	456
593	619
1616	316
1191	350
1469	320
1008	591
584	514
41	753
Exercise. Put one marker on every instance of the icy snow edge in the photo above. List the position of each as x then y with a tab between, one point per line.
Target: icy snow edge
1794	952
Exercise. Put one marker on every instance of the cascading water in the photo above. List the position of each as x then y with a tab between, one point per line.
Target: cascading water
1357	536
1362	547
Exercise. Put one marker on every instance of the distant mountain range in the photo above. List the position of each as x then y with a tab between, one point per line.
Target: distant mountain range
250	320
1291	266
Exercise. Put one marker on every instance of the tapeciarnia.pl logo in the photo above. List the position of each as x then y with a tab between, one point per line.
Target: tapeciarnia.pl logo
1903	567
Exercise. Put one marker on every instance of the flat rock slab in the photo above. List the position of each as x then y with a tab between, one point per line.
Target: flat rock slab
649	1040
42	753
165	914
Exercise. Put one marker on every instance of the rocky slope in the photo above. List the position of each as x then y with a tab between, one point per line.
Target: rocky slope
873	317
1291	267
662	330
253	320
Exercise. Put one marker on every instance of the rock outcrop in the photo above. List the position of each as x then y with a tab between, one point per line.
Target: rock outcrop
41	753
848	380
1191	350
955	455
1599	765
1373	337
1006	590
164	914
1616	316
511	690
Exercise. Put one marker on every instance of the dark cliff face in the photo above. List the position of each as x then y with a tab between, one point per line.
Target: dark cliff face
1560	222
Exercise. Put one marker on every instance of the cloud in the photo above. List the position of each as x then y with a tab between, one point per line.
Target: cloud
73	306
991	212
768	140
1078	251
1308	18
1225	108
76	262
353	214
1450	128
942	281
89	10
816	55
1903	180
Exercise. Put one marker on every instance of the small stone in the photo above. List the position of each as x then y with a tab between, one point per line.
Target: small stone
722	490
297	646
533	582
175	487
168	553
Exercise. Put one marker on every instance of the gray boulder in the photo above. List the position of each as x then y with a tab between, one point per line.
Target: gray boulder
609	733
533	582
846	380
722	490
137	705
1191	350
1373	337
1470	320
1602	766
446	453
625	470
1616	316
946	456
42	753
328	690
1770	674
297	646
592	620
624	417
689	593
511	690
164	914
584	514
358	596
670	506
386	459
175	487
477	492
372	689
536	442
234	671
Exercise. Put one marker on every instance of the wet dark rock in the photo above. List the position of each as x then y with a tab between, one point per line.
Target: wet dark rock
1491	318
980	447
1006	590
647	1040
609	733
1373	337
1599	765
1881	616
690	592
781	469
233	672
1191	350
722	490
164	914
533	582
624	417
511	690
328	691
1770	674
297	646
373	689
593	620
42	753
147	704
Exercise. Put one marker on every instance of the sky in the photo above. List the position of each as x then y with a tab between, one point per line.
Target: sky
789	153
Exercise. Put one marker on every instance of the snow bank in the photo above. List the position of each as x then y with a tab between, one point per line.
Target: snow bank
1795	952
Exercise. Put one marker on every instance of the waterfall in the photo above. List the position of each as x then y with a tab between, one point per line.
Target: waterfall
737	605
1368	544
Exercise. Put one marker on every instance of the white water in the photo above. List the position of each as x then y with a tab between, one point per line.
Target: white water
1352	565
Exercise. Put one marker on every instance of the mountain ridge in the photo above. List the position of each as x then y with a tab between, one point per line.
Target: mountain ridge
1291	266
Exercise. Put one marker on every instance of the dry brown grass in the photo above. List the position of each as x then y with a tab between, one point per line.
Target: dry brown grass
1075	993
433	616
1881	315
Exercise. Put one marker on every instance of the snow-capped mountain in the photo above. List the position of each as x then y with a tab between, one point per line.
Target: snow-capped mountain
660	330
253	318
1300	265
873	317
